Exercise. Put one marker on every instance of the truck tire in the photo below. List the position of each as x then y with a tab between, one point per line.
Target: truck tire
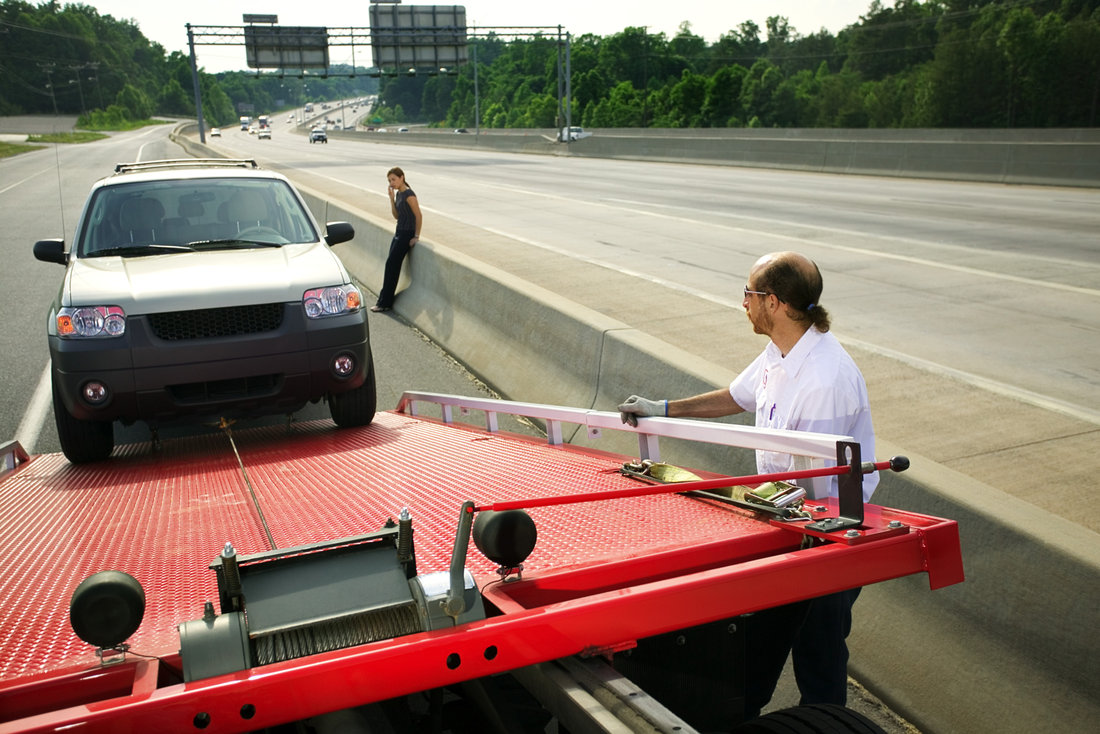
815	719
355	407
82	441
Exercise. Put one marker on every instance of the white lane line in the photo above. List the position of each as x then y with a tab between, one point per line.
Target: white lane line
902	258
22	181
30	427
1018	393
961	249
1078	412
616	204
1001	388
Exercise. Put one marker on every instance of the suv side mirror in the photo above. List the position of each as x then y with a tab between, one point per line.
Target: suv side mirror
50	251
337	232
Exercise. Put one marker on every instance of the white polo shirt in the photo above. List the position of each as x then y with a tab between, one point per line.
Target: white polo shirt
816	387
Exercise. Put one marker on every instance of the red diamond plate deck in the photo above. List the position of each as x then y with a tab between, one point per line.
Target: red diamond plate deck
163	515
602	574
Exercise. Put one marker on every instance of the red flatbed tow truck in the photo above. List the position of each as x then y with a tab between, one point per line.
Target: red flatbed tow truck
270	576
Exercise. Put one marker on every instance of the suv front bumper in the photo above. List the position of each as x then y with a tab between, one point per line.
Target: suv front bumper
166	381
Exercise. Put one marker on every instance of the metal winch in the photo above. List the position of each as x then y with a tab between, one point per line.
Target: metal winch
292	602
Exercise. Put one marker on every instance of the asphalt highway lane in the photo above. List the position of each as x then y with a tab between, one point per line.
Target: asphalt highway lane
994	284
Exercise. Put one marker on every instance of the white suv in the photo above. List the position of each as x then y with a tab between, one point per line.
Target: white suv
196	290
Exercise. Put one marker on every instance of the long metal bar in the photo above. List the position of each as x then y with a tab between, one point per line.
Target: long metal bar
209	35
816	446
703	484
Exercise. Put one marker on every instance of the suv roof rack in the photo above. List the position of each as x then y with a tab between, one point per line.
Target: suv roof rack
185	163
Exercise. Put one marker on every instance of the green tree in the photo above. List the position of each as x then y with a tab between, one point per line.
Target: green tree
722	103
888	41
687	97
173	100
137	104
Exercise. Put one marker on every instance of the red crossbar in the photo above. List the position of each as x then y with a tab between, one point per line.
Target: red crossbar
614	494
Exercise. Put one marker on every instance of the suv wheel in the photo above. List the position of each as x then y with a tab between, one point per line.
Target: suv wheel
812	719
82	441
355	407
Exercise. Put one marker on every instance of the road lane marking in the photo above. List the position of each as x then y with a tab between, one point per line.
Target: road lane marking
1027	396
30	427
616	205
22	181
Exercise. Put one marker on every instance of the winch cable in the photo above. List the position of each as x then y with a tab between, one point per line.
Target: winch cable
225	426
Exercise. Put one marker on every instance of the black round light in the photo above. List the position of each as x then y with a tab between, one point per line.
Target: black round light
107	608
506	537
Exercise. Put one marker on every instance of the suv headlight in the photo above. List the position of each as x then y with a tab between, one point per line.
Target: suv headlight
332	301
91	321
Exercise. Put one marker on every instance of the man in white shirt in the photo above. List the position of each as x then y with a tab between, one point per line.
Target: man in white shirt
803	381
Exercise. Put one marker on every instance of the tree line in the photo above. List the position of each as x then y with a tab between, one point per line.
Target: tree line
941	63
69	59
938	63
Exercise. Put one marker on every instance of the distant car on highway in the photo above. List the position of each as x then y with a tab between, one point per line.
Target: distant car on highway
573	133
215	132
318	135
264	133
461	130
402	129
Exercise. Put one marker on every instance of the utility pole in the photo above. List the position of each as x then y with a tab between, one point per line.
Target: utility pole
49	85
94	66
76	68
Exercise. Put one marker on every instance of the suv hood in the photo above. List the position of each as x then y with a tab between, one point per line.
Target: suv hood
209	279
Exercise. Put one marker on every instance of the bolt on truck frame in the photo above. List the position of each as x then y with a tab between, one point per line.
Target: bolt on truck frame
236	582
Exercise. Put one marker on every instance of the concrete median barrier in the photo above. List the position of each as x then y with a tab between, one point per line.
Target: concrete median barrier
1054	157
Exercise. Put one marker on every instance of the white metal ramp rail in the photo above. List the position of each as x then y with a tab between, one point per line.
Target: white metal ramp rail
811	450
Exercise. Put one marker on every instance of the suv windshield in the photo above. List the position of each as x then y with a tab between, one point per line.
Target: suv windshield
123	219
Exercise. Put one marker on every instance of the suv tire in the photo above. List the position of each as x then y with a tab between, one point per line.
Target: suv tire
811	719
355	407
82	441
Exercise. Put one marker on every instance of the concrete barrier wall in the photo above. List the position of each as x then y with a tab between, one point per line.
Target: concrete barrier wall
1069	157
1013	649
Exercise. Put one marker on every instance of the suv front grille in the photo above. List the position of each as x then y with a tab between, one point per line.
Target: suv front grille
240	388
213	322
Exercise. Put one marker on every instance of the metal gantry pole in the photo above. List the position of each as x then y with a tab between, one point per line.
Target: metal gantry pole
568	83
477	100
195	83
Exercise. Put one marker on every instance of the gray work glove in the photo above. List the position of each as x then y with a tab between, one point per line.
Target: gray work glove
637	407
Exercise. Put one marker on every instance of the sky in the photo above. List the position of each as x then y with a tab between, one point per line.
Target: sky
165	22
